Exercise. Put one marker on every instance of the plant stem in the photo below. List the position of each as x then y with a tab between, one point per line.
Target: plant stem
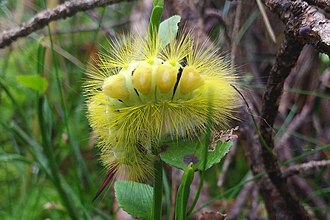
167	191
158	190
46	145
52	163
79	165
155	17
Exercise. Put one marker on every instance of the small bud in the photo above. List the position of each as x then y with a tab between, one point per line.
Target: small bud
190	80
142	78
166	77
115	87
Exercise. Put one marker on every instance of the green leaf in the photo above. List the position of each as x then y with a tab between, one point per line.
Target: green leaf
168	30
34	82
155	18
183	193
13	157
135	198
180	153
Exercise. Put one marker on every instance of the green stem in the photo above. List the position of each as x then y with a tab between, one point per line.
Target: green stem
46	145
167	190
158	190
201	180
52	163
79	165
200	185
183	193
155	17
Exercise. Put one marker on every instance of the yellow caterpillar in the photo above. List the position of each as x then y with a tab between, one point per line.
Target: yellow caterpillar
140	93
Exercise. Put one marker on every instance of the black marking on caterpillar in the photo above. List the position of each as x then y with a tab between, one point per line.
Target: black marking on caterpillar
136	92
184	62
178	77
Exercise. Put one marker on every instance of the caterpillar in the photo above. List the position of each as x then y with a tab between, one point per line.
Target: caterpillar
141	92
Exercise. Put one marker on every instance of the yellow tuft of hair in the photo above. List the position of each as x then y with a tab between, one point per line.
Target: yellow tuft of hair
140	93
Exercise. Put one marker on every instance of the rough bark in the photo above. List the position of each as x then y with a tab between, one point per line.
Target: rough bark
303	22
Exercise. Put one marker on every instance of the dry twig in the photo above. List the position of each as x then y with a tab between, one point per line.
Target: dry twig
325	4
305	167
304	25
240	200
303	22
67	9
285	60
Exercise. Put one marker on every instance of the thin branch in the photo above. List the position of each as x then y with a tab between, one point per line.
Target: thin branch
324	4
275	205
266	20
304	22
237	25
296	122
226	163
62	11
240	200
285	60
305	191
305	167
304	25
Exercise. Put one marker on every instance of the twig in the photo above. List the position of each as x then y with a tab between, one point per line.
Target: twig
236	28
285	60
305	167
303	22
304	190
296	122
254	214
240	200
67	9
276	208
303	25
324	4
225	166
266	21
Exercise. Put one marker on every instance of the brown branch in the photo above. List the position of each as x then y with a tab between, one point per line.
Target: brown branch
67	9
275	205
286	59
304	22
304	25
236	28
324	4
305	167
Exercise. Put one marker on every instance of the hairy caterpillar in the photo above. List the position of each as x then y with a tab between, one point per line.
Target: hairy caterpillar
141	92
